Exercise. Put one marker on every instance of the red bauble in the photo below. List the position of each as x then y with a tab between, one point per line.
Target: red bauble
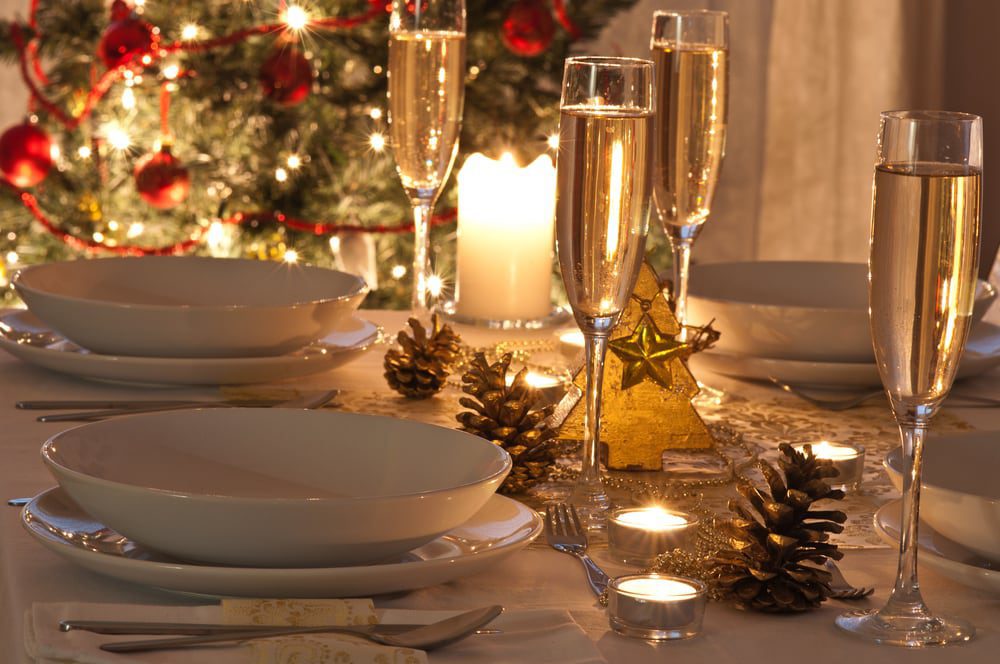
25	154
161	180
528	28
127	40
286	76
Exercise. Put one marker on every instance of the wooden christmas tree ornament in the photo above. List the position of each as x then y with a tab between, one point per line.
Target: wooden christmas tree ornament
647	387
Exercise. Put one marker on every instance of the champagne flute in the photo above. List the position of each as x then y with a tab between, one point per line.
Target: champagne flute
602	216
921	284
691	52
426	94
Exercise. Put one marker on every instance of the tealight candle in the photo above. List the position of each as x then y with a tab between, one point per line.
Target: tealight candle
656	607
571	342
551	387
636	535
848	459
505	239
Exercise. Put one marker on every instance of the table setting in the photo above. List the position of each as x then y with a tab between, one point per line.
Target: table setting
224	459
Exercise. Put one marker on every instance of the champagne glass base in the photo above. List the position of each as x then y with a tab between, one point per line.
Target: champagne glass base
910	631
592	504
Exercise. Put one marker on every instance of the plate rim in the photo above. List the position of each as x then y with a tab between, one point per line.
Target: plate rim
182	576
207	371
953	569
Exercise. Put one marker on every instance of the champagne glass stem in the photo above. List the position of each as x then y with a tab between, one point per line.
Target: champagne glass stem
682	265
421	243
905	598
589	490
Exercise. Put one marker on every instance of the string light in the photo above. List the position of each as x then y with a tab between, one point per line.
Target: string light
375	113
294	161
291	256
189	31
296	18
280	174
113	225
171	71
135	229
55	151
83	152
335	243
398	271
377	141
435	284
12	258
117	137
98	236
128	99
553	141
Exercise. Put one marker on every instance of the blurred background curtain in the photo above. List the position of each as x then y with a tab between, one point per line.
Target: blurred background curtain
809	78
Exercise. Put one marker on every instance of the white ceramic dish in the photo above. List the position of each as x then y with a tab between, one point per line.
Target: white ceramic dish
792	310
982	353
960	495
188	306
273	487
351	339
500	528
938	552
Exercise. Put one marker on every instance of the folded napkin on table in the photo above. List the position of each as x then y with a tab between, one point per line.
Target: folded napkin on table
541	635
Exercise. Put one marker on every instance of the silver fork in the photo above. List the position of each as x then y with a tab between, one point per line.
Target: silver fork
564	532
840	588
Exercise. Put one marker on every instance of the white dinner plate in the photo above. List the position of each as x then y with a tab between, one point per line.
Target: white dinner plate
982	353
345	344
499	529
940	553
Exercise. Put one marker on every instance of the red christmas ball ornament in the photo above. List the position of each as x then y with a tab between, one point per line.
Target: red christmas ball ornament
161	180
126	39
286	76
25	154
528	28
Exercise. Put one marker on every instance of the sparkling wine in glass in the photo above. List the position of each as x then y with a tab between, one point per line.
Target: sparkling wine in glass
921	285
690	50
426	94
602	212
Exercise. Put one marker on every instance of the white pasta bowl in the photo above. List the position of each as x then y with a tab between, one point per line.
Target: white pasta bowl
186	306
960	496
792	310
276	487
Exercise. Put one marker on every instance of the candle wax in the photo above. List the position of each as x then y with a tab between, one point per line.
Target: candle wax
657	588
652	519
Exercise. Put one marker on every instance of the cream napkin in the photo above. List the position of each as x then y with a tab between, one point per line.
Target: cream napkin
47	645
536	636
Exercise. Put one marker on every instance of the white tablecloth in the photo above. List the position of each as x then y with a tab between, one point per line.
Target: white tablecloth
536	577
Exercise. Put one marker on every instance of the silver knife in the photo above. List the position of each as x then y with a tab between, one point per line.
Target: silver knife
311	400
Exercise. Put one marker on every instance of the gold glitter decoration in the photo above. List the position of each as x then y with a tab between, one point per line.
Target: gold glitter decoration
647	388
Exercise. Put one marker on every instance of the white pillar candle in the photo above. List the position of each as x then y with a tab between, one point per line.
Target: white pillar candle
505	238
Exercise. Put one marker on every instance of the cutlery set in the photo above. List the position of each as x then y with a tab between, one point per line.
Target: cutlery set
421	637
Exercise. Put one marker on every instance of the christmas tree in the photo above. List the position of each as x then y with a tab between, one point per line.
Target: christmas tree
251	129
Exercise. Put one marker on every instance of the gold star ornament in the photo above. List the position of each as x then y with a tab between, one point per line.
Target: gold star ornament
646	352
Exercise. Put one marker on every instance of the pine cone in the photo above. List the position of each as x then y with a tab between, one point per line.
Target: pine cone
775	534
420	367
507	415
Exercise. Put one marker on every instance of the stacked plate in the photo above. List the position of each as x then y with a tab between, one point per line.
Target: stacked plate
959	507
186	320
277	502
805	323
